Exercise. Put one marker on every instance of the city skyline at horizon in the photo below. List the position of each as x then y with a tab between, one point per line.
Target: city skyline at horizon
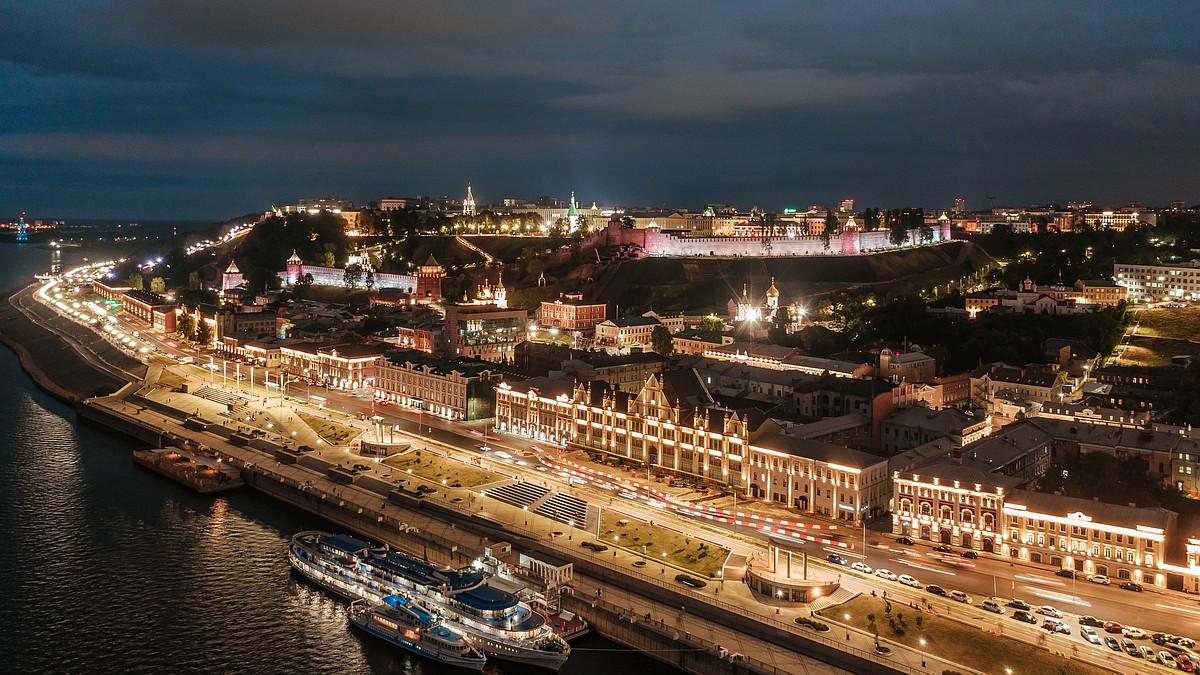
210	109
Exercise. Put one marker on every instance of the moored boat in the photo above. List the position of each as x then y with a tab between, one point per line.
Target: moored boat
492	619
397	621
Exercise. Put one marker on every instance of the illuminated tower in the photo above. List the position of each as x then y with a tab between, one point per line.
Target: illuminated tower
500	295
772	298
429	279
22	235
295	269
573	213
469	203
232	277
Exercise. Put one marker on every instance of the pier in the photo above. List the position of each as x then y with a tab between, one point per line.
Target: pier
205	475
720	629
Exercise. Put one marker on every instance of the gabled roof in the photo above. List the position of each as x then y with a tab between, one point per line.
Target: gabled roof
1110	514
816	450
685	386
547	387
631	321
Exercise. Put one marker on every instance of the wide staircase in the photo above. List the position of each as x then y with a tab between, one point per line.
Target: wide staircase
559	506
564	508
518	494
235	404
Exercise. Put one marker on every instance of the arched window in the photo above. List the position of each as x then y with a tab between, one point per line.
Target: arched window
988	521
966	516
926	509
905	506
946	513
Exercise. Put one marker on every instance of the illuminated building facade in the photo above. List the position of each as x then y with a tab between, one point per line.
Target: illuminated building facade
456	389
964	507
673	426
340	366
1153	283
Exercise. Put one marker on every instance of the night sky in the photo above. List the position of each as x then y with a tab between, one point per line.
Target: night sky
213	108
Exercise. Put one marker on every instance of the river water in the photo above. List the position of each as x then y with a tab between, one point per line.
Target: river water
108	568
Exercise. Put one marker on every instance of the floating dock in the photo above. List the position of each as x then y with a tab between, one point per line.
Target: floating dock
205	475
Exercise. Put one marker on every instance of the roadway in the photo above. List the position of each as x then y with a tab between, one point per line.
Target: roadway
1152	610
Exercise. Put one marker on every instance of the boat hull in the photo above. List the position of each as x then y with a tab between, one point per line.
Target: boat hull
469	664
356	590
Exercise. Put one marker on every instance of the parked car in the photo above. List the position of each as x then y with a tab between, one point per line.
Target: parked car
1184	642
1160	638
885	574
970	554
836	559
1017	603
905	541
935	589
1185	663
992	606
860	566
1112	627
1134	633
1130	648
1022	615
1112	643
1086	620
908	581
1088	633
1132	586
942	548
1147	653
959	596
1099	579
1050	611
1056	626
1167	659
1070	574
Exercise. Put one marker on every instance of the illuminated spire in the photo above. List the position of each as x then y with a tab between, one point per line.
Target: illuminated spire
22	235
572	212
469	203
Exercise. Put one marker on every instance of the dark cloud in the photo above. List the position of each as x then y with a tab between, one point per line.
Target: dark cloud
150	108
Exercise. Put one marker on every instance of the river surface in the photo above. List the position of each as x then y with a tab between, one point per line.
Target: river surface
108	568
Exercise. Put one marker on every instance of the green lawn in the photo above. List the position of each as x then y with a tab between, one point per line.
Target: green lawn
435	468
1156	352
1173	323
956	642
331	432
680	549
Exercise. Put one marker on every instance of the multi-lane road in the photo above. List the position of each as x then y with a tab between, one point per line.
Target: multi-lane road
986	576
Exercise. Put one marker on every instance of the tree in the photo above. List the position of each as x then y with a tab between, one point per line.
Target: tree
711	324
898	231
204	333
158	285
370	280
186	326
661	341
135	281
194	281
353	275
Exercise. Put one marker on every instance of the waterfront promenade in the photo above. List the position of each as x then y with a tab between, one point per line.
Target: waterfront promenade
723	618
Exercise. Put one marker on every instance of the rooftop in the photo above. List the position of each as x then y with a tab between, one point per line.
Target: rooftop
816	450
1110	514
